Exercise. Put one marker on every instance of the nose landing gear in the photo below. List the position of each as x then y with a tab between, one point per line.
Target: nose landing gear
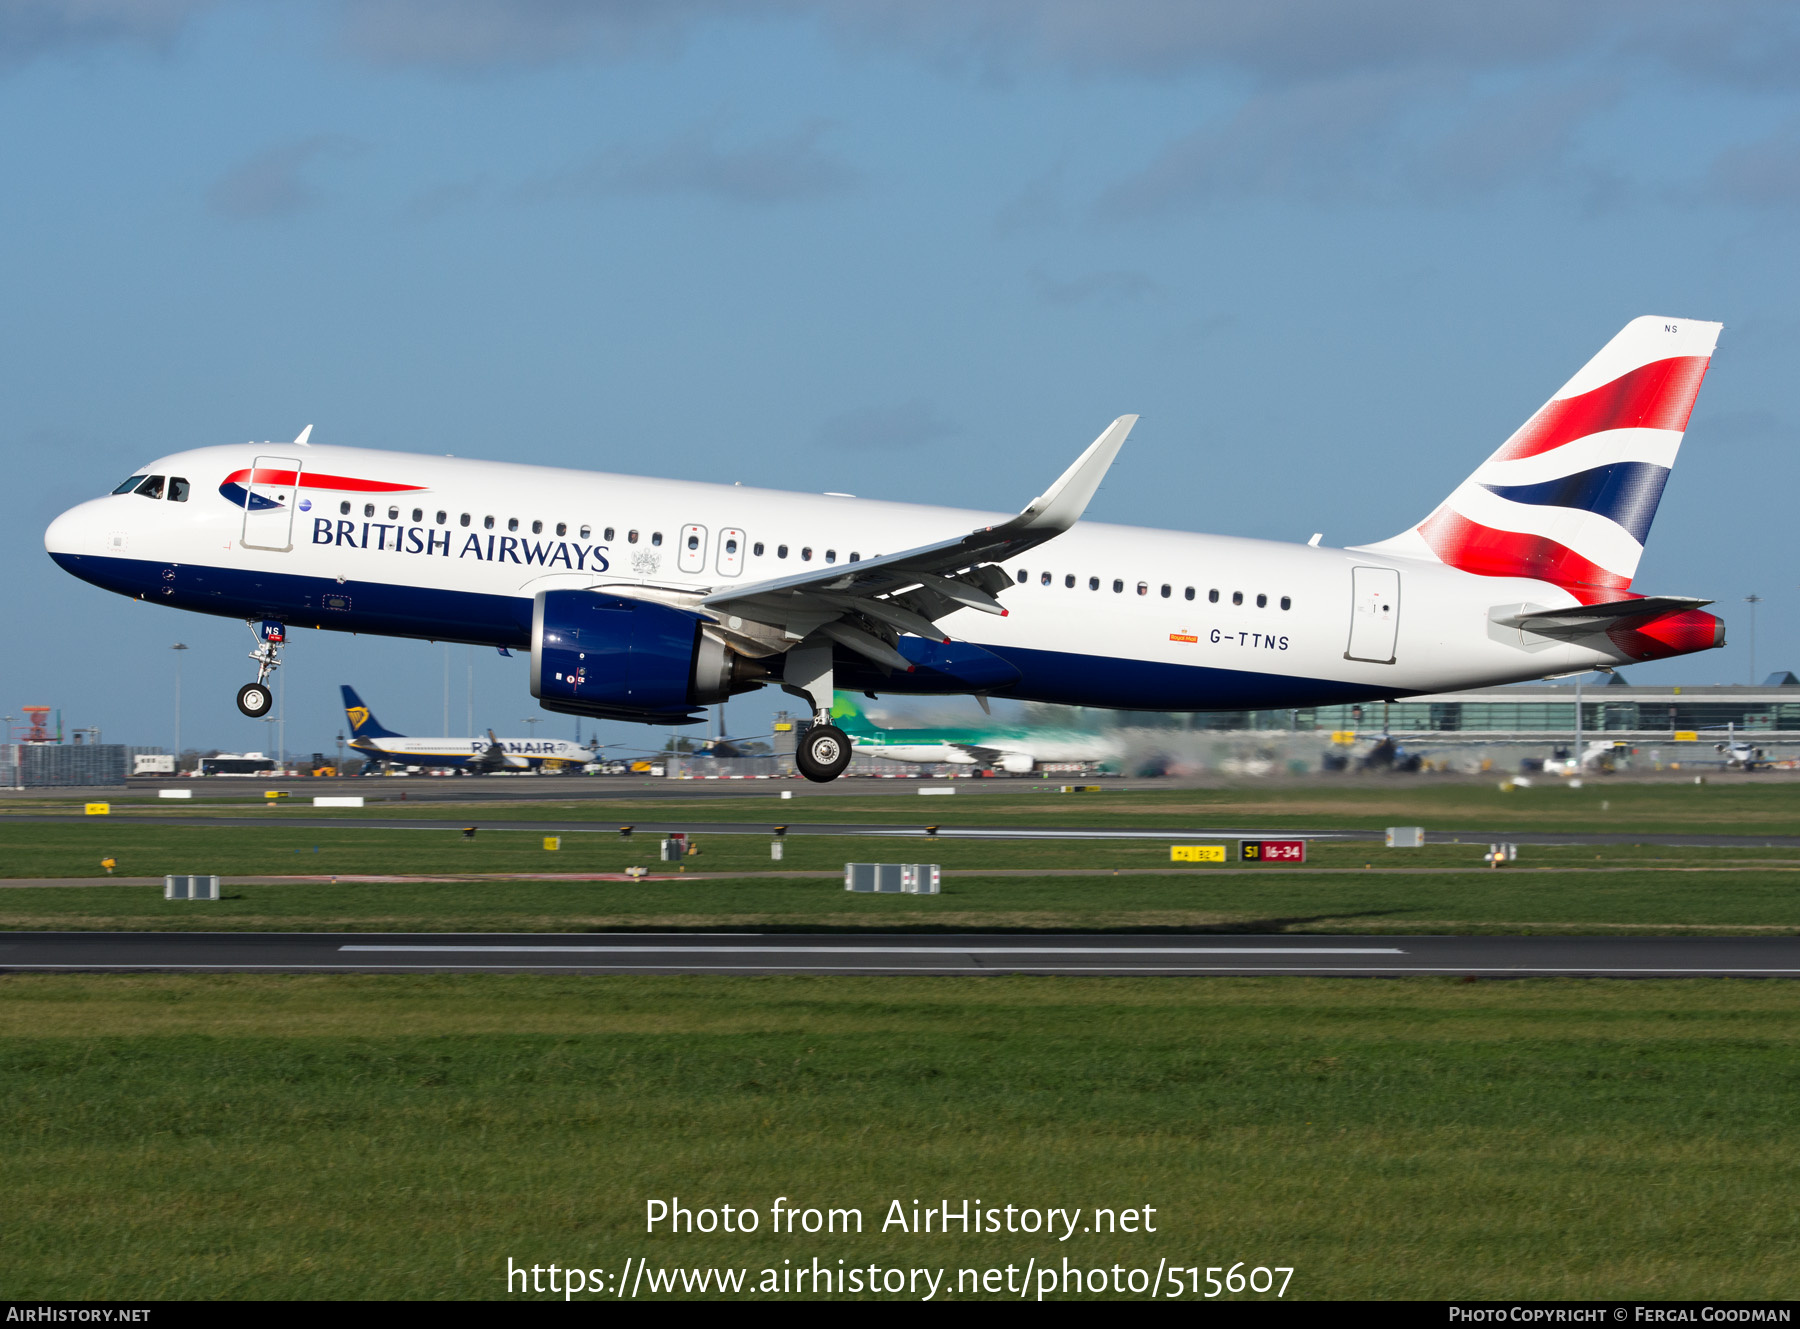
256	699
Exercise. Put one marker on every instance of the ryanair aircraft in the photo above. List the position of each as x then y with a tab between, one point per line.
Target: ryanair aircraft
478	756
648	600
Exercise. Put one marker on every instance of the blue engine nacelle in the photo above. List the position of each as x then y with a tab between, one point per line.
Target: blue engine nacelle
620	658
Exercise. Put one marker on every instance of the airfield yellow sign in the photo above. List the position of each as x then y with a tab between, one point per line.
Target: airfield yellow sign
1197	853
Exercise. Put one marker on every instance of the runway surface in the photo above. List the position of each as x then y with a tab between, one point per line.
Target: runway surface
907	953
922	829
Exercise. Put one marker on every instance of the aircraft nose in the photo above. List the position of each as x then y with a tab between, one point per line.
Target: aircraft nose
75	532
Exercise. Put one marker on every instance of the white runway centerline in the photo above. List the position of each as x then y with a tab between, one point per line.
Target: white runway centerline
886	950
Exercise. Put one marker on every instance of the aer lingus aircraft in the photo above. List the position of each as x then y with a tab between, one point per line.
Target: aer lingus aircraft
1015	749
475	755
649	599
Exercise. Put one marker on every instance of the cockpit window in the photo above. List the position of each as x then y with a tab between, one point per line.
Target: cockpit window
152	487
178	489
129	485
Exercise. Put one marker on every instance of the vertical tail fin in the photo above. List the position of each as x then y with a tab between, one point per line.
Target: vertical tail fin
363	723
1569	497
848	716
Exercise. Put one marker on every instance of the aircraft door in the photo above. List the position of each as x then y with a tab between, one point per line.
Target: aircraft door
1374	614
270	495
731	553
691	554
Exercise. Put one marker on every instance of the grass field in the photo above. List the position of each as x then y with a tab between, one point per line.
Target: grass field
403	1136
1355	887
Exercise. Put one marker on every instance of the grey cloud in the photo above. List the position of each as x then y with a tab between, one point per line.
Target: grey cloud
273	183
885	428
1036	206
473	35
1765	173
1110	288
771	170
1313	141
31	28
1503	139
430	204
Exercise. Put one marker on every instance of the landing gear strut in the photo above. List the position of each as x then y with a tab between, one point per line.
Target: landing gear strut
256	699
823	752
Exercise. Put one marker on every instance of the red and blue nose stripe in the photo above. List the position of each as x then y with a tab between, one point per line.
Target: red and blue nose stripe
235	487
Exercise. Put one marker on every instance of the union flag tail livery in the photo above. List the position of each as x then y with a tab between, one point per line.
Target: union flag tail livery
648	600
1569	498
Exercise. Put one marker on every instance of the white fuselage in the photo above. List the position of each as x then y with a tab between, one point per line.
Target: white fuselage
1102	615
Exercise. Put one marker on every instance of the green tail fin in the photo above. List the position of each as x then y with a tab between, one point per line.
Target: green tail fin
848	716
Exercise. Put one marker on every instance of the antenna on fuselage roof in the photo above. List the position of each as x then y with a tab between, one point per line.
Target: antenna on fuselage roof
305	434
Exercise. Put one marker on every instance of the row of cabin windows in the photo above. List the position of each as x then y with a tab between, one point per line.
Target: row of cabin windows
151	486
1143	588
806	553
586	532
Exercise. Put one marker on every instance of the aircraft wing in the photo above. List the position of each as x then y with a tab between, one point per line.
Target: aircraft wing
865	605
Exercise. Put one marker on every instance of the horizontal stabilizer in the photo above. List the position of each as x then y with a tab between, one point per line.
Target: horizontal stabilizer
1580	620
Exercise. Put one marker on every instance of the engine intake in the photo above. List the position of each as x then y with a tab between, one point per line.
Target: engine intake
623	658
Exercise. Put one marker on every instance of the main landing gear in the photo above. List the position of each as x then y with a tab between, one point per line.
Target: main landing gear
256	699
823	752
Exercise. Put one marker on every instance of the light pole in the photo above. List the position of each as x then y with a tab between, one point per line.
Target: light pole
534	721
178	648
1753	600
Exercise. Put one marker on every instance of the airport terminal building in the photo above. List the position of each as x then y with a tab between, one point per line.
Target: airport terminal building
1539	712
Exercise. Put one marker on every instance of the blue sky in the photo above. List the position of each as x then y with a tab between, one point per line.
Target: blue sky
1332	254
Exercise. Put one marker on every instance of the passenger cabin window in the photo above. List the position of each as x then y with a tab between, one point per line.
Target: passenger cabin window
152	487
418	514
693	542
465	519
630	537
608	535
1212	597
1166	590
1237	597
588	531
1023	577
537	528
442	517
831	555
368	509
806	554
1118	586
487	523
1093	583
1189	593
512	523
131	483
1044	578
562	528
656	538
1262	601
731	546
757	549
780	551
855	557
1069	581
1144	588
1286	602
178	489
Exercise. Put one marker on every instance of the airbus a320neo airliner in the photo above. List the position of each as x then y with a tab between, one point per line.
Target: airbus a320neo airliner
649	599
